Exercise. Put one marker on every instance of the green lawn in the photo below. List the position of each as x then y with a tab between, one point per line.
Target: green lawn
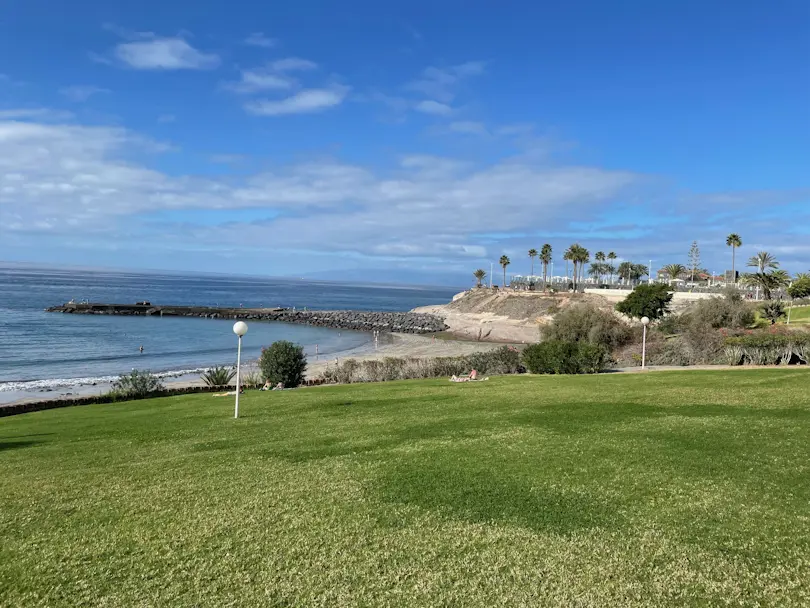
670	488
799	315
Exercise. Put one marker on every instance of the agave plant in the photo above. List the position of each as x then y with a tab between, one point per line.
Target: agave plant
218	376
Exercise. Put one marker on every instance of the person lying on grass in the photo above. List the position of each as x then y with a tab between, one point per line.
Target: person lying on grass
472	377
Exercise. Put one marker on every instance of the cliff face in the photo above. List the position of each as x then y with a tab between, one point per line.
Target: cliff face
504	316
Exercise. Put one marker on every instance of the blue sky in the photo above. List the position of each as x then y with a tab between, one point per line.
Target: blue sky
418	140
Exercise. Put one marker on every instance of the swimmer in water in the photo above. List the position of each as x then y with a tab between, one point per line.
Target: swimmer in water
141	349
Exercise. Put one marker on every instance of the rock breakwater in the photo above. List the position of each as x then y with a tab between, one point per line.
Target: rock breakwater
400	322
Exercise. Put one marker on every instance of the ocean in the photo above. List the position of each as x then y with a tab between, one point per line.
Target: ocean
40	350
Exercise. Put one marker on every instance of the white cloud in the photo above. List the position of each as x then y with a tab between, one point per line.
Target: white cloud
39	113
306	101
441	83
468	127
259	39
260	79
433	107
165	54
290	64
75	182
80	93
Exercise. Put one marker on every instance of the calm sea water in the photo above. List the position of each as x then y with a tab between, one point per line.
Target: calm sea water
52	349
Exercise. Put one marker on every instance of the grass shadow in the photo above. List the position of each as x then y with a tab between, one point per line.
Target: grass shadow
462	487
14	445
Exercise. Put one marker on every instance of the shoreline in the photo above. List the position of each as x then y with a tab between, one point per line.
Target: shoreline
390	345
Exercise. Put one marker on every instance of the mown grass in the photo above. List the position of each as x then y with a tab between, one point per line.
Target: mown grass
671	488
800	315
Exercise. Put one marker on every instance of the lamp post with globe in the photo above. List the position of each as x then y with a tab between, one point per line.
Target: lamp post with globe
240	329
645	321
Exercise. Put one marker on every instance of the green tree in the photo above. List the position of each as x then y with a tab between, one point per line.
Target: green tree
733	240
768	282
545	258
600	258
504	262
612	258
578	256
763	261
646	300
283	362
479	275
532	255
694	259
674	271
800	288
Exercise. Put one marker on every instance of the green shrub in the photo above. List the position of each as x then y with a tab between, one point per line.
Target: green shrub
565	357
136	384
218	376
646	300
768	348
773	310
587	323
283	362
252	379
730	312
504	360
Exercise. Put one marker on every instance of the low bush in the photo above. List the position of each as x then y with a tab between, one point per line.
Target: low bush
565	357
136	385
587	323
731	312
218	376
768	348
504	360
283	362
252	379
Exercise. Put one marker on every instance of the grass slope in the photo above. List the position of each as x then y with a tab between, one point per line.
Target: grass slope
800	315
677	488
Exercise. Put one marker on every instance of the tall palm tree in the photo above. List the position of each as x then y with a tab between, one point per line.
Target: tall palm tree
480	275
545	258
532	255
504	262
579	256
600	258
674	271
762	261
733	240
567	258
767	281
612	258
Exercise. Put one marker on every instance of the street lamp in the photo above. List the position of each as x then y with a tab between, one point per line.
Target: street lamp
240	329
645	321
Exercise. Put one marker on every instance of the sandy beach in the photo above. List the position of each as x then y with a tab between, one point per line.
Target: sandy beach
390	345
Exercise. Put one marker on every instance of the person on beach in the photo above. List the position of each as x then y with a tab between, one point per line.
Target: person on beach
472	377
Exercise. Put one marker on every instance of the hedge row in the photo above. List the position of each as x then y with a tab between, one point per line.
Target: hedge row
768	349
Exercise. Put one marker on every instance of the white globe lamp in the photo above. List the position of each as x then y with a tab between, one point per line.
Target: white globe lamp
240	329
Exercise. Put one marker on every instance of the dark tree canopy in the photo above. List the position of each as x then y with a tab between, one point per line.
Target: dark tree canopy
646	301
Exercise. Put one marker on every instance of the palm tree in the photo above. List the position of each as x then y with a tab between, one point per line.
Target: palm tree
674	271
767	281
532	255
762	261
612	258
480	275
600	258
545	258
733	240
579	256
504	262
